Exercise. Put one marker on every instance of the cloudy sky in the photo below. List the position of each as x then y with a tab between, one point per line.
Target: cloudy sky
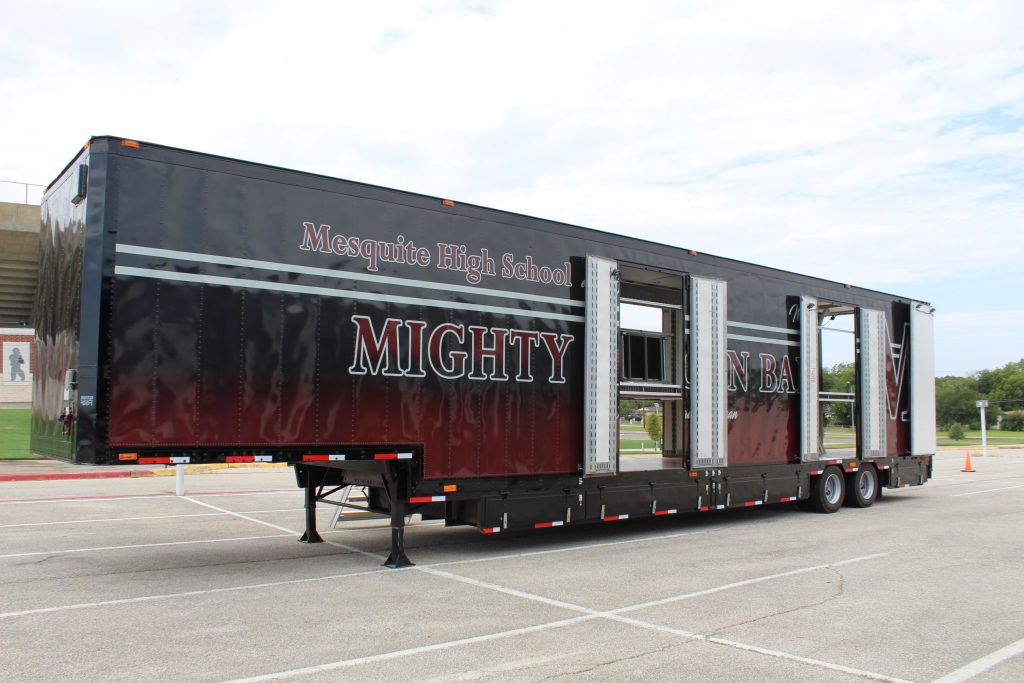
875	143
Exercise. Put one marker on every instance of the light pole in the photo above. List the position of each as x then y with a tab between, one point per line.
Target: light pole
984	441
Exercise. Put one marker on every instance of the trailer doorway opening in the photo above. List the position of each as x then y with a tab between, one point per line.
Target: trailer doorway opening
651	335
838	396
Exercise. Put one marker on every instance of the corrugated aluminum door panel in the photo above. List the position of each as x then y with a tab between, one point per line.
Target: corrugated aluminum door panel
922	379
601	416
873	389
708	368
810	443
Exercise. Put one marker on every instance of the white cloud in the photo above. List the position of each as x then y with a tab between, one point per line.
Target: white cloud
876	143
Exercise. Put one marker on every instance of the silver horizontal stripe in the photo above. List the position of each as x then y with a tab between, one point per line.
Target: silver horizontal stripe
754	326
766	328
763	340
650	304
345	275
339	293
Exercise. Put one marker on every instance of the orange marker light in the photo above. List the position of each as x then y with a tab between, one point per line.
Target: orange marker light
450	488
447	202
693	253
130	143
128	456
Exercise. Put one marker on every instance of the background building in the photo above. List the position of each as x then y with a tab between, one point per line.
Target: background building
19	261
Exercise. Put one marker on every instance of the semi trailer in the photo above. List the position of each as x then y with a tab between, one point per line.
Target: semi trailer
459	362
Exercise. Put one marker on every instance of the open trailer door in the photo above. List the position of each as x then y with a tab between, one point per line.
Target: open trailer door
810	443
709	438
873	394
601	395
922	379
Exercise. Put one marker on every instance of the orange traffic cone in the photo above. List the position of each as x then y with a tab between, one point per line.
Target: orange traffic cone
967	464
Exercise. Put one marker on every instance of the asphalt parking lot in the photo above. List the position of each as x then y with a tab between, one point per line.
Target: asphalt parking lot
119	579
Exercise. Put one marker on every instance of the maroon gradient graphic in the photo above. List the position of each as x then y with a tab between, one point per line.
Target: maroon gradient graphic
276	369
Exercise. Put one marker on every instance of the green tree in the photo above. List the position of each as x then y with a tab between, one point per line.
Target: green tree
1014	421
841	378
956	431
955	399
653	426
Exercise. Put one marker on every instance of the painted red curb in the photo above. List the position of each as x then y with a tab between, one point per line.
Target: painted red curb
54	476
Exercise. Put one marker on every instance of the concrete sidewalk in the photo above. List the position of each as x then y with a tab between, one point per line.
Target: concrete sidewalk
52	470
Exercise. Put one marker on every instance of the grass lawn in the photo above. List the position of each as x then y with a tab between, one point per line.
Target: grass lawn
14	427
637	444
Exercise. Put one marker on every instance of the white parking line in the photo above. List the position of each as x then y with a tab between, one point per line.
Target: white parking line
108	519
587	614
980	666
371	659
975	493
142	545
568	548
185	594
747	582
139	496
143	517
350	548
762	650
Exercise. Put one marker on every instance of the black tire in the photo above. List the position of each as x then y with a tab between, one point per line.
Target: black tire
828	490
862	487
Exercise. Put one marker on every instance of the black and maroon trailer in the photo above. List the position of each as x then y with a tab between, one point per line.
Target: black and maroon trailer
457	361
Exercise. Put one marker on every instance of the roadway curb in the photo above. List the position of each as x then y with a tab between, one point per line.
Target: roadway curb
169	471
55	476
134	474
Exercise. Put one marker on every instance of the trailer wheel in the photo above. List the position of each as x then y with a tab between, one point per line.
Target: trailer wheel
828	490
862	486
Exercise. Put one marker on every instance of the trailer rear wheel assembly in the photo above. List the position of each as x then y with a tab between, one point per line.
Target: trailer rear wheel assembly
862	487
828	490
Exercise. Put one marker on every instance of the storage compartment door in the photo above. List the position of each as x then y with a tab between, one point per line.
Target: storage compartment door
600	421
922	379
873	395
810	443
708	367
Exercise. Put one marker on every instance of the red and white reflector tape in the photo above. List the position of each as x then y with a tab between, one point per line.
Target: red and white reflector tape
155	461
719	507
392	456
666	512
315	457
547	525
752	503
615	518
491	530
703	508
815	472
336	456
240	458
849	469
263	458
426	499
787	500
882	467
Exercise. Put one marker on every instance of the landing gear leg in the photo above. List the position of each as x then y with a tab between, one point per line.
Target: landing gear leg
397	558
310	535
